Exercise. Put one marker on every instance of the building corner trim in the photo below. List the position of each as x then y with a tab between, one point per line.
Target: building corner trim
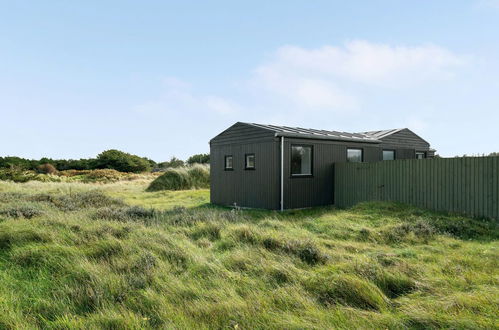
282	173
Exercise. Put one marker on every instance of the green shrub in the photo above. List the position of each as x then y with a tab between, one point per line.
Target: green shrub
103	175
172	179
199	159
80	200
194	177
16	175
122	161
10	196
174	162
27	211
199	176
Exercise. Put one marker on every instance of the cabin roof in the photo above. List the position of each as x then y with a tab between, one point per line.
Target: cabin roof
298	132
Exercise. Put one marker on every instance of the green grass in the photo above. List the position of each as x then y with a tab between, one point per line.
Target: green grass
76	255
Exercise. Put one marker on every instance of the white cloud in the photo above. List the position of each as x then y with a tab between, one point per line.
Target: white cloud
342	80
177	97
328	77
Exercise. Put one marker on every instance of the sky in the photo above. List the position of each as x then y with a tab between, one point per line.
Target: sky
161	78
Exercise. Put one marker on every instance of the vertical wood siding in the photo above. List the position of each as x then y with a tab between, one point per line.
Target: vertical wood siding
301	192
257	188
461	185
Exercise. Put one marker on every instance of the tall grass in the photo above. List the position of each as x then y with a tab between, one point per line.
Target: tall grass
74	257
193	177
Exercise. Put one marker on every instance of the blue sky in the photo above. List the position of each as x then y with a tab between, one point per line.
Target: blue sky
160	78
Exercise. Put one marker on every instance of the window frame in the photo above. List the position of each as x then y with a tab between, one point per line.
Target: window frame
392	150
246	162
295	176
225	163
421	153
361	154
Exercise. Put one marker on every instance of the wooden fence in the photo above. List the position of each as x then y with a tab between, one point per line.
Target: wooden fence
467	185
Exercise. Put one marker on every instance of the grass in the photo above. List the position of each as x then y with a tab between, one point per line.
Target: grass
183	178
76	255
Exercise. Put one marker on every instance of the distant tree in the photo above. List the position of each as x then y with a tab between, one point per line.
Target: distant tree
17	163
172	163
494	154
199	159
122	161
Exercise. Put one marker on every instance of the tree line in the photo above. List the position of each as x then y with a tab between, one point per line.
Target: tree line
109	159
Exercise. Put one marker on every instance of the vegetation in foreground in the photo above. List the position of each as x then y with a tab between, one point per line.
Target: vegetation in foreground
74	256
194	177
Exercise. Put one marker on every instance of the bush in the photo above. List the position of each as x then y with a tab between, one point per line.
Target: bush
27	211
126	213
17	163
103	175
172	179
199	159
195	177
79	200
47	169
199	176
122	161
172	163
16	175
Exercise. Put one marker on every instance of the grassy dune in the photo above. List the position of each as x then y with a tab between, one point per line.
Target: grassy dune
114	256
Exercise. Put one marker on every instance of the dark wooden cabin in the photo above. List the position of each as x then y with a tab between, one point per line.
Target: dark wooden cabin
279	167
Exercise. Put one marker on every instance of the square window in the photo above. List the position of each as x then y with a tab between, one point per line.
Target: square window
301	160
354	155
228	163
420	155
249	163
388	154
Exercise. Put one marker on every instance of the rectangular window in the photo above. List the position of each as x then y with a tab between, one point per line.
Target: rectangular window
354	155
301	160
249	163
228	163
388	154
420	155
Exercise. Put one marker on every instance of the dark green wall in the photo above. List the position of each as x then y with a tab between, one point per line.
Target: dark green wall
464	185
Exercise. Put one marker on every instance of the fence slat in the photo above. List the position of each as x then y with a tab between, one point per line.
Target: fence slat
468	185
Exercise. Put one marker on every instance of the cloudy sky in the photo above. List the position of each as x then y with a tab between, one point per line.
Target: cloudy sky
160	78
